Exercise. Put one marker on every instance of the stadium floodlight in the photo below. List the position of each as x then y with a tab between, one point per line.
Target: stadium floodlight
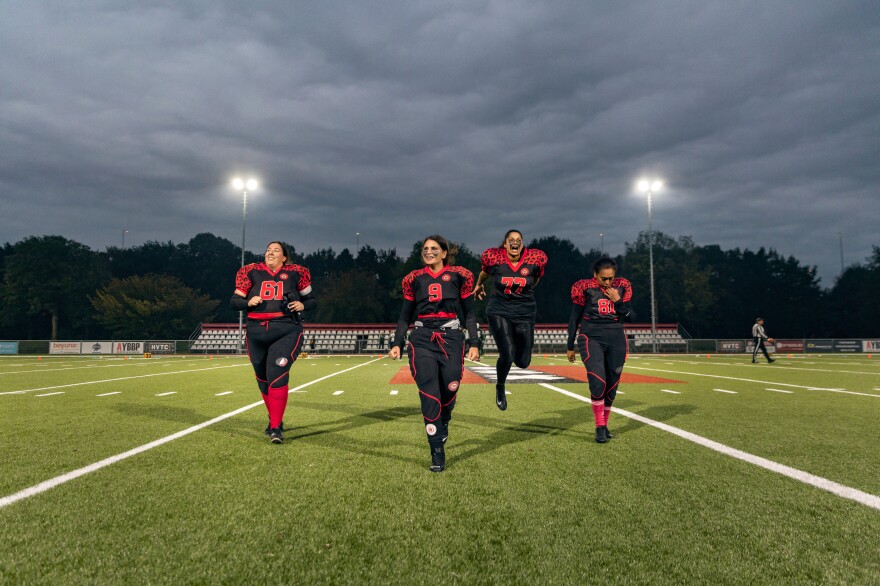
650	186
243	185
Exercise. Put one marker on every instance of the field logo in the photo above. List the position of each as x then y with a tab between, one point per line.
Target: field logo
431	429
453	386
281	361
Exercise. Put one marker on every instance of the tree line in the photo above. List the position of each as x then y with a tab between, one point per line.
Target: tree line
55	288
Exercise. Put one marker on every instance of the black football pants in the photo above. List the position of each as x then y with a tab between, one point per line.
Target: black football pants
436	361
514	339
603	353
273	346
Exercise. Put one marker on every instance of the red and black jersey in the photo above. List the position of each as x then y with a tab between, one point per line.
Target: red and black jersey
596	309
258	279
512	292
436	295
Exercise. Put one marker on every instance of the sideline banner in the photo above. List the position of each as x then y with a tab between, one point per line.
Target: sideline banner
8	347
789	346
731	346
97	347
867	346
847	345
820	346
128	347
64	347
159	347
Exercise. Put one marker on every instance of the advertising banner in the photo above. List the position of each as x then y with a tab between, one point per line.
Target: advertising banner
789	346
820	346
159	347
128	347
750	347
8	347
64	347
731	346
97	347
847	345
867	346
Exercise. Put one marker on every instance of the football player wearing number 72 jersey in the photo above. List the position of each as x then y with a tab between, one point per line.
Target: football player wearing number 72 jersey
273	293
433	296
599	306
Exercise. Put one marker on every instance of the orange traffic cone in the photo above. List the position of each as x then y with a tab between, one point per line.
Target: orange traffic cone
39	357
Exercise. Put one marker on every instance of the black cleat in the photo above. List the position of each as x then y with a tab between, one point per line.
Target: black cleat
500	397
754	362
269	429
771	360
601	434
276	436
608	433
438	459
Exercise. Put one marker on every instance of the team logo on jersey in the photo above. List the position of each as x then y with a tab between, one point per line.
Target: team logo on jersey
524	271
281	361
283	276
453	386
447	277
431	429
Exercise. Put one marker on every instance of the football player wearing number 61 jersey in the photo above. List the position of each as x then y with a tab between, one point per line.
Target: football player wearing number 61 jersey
514	272
273	293
432	298
599	306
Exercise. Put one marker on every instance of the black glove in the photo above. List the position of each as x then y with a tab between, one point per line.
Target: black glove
289	298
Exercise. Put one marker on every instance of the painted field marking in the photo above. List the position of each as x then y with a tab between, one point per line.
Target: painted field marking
223	393
392	392
780	391
108	394
110	380
121	365
668	391
50	394
166	394
840	490
335	393
725	391
751	380
73	474
506	392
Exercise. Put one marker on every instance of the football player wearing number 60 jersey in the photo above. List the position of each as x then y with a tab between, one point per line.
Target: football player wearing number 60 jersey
273	293
432	298
599	305
514	272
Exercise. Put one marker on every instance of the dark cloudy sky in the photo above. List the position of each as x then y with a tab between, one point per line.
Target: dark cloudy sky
397	119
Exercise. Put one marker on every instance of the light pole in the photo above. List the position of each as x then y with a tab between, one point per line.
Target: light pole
124	232
243	185
602	240
357	246
650	187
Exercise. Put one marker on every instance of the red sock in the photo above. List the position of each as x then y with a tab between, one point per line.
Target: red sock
268	402
599	412
277	404
607	414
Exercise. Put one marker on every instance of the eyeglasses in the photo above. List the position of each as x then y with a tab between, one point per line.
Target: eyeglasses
514	241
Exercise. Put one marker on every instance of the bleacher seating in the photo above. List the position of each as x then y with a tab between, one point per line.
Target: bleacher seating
375	338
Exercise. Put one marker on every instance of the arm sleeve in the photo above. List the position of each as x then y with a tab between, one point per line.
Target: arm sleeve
623	308
576	312
238	302
470	320
309	300
406	314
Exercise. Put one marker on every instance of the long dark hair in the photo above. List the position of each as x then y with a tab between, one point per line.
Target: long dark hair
284	250
508	233
604	262
450	249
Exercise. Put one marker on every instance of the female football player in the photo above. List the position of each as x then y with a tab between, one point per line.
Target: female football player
433	295
515	271
599	306
274	293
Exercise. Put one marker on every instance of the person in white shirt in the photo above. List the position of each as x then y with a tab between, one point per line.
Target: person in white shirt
760	337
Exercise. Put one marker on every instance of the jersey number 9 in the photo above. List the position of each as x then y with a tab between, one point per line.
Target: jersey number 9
435	292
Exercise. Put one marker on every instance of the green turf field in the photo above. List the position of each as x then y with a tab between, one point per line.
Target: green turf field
528	497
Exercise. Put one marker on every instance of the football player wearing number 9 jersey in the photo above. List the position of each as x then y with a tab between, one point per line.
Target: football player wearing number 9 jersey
514	272
273	293
433	296
599	306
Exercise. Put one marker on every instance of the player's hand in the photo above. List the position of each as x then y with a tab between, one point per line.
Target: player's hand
296	306
255	301
473	354
479	292
612	293
394	354
570	355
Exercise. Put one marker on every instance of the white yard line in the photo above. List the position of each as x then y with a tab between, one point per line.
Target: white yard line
392	392
335	393
166	394
780	391
111	380
725	391
50	394
223	393
108	394
751	380
840	490
668	391
59	480
121	365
